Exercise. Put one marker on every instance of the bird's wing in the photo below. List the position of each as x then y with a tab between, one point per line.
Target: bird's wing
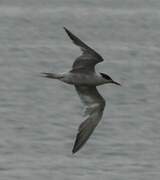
89	58
95	104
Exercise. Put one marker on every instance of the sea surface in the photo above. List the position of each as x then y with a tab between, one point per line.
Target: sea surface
39	117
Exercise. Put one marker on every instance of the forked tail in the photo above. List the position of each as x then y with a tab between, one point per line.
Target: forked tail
51	75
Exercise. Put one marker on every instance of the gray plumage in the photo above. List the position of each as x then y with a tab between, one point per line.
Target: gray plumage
89	58
85	79
95	104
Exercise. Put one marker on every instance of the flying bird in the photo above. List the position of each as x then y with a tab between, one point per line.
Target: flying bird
85	79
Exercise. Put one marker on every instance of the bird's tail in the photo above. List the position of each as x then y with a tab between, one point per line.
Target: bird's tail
51	75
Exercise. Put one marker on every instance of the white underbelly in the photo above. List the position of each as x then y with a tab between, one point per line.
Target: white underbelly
82	79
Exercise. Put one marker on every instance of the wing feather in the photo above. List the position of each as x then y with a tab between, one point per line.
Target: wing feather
89	58
95	105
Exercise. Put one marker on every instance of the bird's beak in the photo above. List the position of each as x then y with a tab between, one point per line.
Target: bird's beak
114	82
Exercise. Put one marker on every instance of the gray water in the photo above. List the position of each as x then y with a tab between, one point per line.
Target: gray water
40	117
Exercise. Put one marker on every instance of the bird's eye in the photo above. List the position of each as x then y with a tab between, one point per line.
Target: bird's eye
105	76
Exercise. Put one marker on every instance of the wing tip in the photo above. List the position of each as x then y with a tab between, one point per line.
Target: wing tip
67	31
75	147
78	144
73	151
65	28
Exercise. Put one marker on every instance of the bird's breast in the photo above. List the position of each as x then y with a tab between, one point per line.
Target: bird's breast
82	79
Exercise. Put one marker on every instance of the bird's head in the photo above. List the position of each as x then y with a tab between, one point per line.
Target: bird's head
109	79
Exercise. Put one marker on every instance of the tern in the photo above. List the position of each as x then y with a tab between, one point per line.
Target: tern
85	79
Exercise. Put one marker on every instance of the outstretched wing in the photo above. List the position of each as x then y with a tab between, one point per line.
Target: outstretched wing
89	58
95	104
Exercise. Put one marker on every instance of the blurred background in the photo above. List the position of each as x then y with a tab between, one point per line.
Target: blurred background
39	117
